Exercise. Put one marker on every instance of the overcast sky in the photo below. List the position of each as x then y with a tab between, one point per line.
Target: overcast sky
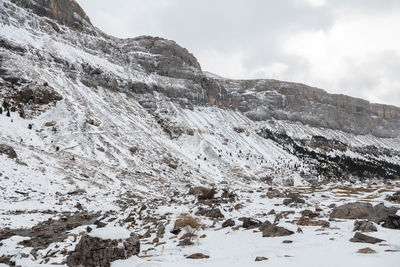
343	46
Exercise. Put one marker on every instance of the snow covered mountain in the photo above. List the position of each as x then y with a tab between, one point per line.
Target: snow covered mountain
105	121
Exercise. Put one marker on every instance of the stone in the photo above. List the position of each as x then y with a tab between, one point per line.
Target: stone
366	251
185	242
93	122
274	193
394	198
93	251
274	231
357	210
8	151
293	197
362	238
380	213
50	124
197	256
261	259
228	223
392	222
305	221
249	222
202	193
133	149
272	212
309	213
364	226
211	213
264	225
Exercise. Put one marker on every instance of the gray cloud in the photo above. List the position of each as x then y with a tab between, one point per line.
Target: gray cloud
254	33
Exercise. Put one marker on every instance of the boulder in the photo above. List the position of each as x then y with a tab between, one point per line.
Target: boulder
364	226
202	192
392	222
197	256
366	251
394	198
356	210
249	222
228	223
8	151
274	193
264	225
293	197
362	238
261	259
274	231
211	213
380	213
94	251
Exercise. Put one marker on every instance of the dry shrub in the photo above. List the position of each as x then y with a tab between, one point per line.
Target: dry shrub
202	192
185	220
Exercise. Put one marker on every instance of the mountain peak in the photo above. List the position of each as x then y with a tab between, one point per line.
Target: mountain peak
66	12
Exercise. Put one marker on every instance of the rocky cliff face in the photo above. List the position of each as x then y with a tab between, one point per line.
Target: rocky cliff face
266	99
174	72
66	12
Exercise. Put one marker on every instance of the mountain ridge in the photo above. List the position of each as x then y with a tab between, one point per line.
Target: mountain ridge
295	102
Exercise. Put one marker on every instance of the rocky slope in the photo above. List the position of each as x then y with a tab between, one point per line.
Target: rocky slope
99	131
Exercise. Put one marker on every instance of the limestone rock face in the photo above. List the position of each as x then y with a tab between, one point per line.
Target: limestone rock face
188	85
66	12
262	100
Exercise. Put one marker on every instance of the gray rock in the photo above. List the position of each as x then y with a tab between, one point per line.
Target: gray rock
394	198
380	213
249	222
274	193
228	223
362	238
364	226
8	151
93	251
356	210
274	231
293	197
211	213
392	222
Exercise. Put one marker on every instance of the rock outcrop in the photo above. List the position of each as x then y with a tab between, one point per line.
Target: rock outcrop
93	251
66	12
259	100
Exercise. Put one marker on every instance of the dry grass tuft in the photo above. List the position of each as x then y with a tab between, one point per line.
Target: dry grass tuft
185	219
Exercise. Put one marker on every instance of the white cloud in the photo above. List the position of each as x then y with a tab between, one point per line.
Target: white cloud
316	2
348	58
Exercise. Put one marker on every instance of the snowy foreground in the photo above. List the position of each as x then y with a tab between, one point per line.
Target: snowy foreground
230	246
